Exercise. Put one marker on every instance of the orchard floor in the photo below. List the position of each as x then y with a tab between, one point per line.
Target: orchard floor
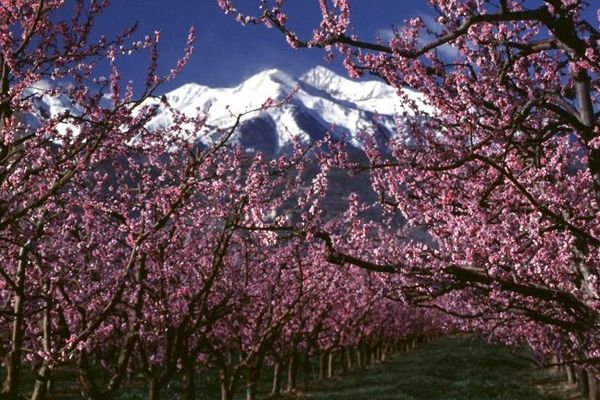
458	368
448	369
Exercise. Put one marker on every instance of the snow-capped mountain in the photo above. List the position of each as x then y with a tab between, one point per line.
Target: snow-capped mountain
321	102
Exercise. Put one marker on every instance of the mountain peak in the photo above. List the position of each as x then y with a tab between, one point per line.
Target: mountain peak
187	93
320	70
270	76
321	77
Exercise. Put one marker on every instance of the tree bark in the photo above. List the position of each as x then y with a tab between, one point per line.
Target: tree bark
42	383
385	353
292	373
322	368
277	371
331	364
224	380
571	380
344	360
582	378
89	389
189	379
359	357
252	380
12	382
153	389
592	386
306	369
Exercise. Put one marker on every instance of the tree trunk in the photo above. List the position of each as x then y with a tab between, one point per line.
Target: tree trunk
277	371
153	389
386	353
13	359
582	377
87	385
344	360
322	368
292	373
331	364
189	379
252	381
225	384
555	368
592	386
42	383
571	375
306	369
349	358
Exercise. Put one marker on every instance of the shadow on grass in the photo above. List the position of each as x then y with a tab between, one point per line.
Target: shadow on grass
450	369
458	368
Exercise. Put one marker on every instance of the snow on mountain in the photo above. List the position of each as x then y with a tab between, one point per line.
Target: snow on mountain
47	102
323	102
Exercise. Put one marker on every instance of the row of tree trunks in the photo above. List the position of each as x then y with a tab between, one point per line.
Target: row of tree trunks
292	374
333	363
584	380
289	373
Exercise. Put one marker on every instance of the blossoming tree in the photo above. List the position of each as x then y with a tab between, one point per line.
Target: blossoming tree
138	254
499	161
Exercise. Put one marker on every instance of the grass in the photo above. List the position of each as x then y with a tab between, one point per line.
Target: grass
458	368
449	369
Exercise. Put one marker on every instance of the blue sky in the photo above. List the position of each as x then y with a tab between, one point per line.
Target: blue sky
227	53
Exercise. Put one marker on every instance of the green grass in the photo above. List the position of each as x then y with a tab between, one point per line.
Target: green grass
449	369
458	368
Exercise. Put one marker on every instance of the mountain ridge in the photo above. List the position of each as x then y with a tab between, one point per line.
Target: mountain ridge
320	102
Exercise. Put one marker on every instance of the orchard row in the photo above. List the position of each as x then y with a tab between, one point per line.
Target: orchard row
142	254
